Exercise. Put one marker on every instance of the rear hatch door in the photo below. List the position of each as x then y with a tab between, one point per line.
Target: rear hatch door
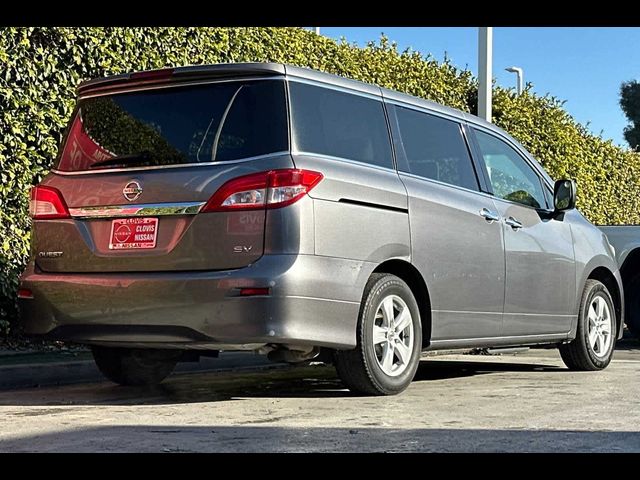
138	166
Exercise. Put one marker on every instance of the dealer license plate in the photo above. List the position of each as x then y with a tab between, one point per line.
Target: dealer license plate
133	233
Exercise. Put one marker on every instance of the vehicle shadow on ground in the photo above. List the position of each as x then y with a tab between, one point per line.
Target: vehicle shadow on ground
317	381
270	438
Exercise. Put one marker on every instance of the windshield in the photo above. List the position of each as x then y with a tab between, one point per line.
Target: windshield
178	125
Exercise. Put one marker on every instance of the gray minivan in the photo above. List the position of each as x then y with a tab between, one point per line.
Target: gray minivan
279	209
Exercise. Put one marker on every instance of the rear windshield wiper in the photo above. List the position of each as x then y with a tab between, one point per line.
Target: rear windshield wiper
131	159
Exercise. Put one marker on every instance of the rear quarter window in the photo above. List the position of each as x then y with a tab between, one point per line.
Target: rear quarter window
339	124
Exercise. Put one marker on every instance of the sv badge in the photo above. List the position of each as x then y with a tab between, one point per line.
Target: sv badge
242	248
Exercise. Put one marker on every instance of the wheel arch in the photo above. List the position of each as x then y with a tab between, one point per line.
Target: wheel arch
607	277
414	279
629	271
631	265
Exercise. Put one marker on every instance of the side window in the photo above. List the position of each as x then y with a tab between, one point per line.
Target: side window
339	124
435	148
511	177
549	196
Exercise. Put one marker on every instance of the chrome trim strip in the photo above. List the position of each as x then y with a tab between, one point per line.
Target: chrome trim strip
145	209
180	165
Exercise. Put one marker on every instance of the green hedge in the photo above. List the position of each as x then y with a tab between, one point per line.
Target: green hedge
40	68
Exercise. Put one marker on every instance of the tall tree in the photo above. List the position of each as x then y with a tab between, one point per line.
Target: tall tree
630	103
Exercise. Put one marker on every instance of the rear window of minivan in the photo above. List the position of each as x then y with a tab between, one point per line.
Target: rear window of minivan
177	125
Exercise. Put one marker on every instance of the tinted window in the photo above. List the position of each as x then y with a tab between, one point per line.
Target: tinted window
435	148
511	177
339	124
548	196
214	122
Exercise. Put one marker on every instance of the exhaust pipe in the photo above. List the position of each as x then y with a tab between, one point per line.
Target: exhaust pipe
294	354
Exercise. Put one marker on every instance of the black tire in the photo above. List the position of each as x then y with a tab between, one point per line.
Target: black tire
359	369
632	307
579	354
135	366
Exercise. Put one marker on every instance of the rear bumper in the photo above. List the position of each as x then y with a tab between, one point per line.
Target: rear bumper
313	301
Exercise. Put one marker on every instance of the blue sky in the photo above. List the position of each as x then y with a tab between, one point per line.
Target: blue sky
583	66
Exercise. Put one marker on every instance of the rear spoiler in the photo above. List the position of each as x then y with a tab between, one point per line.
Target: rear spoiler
179	74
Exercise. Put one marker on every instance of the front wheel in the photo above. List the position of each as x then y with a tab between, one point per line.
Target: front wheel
389	340
135	366
592	349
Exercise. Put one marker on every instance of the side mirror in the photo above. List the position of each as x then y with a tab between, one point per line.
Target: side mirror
564	195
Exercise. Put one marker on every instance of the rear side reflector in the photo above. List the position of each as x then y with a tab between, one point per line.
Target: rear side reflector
47	203
25	293
272	189
248	292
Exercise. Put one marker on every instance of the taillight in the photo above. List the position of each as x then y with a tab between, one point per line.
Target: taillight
272	189
47	203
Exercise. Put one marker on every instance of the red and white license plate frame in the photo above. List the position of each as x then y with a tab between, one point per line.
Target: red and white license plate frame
134	233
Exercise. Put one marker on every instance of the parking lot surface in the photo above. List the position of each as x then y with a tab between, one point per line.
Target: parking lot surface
527	402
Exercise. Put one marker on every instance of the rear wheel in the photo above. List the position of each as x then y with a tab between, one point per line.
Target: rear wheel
389	337
135	366
592	349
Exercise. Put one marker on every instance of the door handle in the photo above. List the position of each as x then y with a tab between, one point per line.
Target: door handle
513	223
489	216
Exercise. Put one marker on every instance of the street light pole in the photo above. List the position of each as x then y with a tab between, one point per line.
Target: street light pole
485	67
520	75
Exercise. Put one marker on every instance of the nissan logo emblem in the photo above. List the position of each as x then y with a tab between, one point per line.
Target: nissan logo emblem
132	190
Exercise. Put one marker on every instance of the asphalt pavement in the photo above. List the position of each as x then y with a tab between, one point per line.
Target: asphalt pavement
527	402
